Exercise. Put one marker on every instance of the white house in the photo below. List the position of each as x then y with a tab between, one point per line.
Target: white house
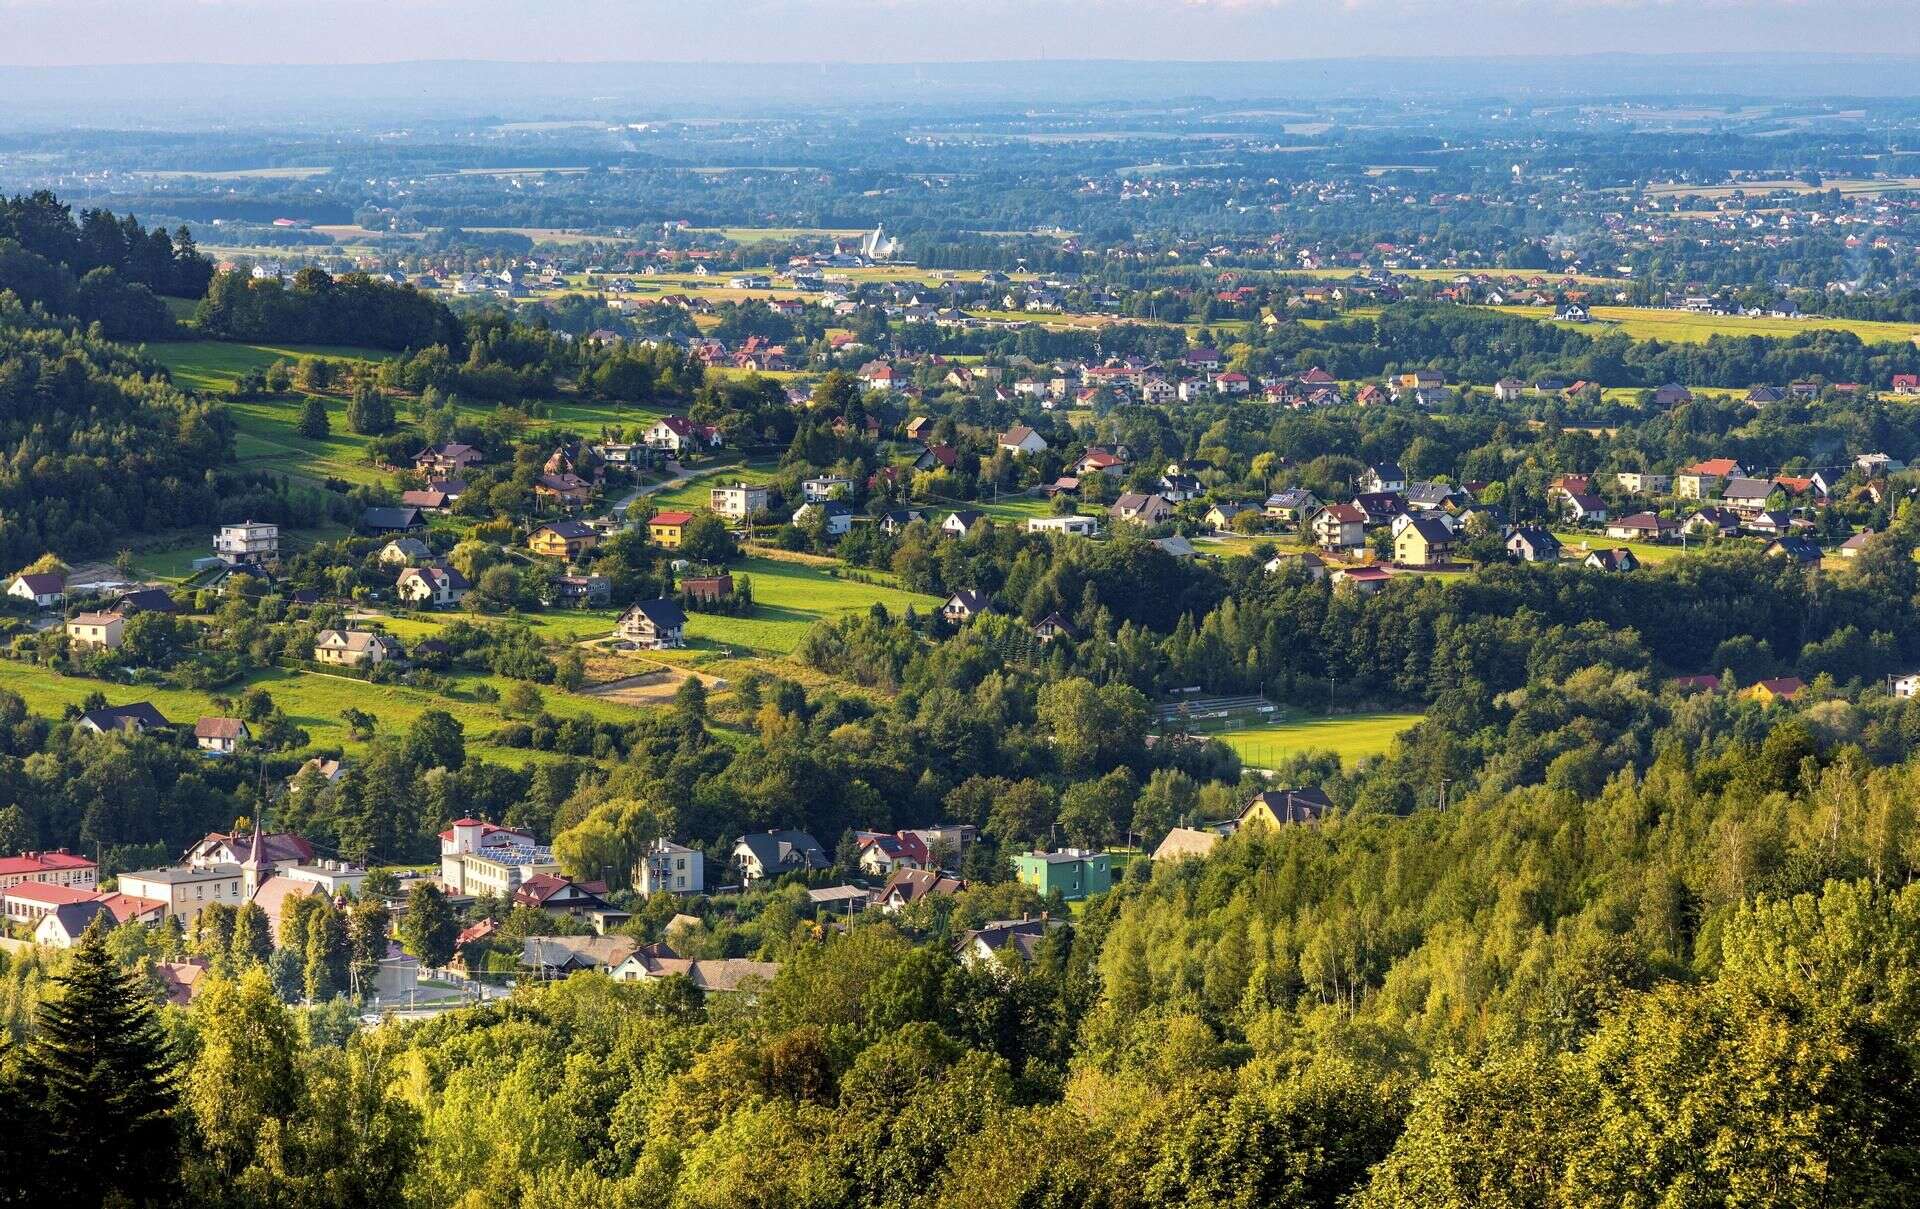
484	858
442	586
1079	526
1021	440
670	868
44	590
247	542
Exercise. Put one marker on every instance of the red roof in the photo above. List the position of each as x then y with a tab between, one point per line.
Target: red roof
671	518
1713	466
41	862
50	893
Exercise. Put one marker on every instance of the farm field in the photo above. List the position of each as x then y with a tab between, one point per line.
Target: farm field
314	701
1684	327
1352	736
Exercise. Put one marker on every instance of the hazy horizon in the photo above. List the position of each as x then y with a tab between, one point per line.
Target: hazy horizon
42	33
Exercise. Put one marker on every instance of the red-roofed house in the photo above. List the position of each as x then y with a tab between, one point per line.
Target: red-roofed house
59	868
28	901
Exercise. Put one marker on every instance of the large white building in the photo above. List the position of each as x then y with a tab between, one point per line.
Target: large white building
485	858
247	542
186	890
670	868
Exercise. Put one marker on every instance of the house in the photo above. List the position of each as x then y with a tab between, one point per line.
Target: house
59	868
1639	482
353	648
481	858
1075	872
1140	509
1702	480
1364	580
1183	842
427	500
965	605
937	457
247	542
998	939
1906	384
391	520
670	868
1021	440
1076	525
24	905
961	522
1585	509
825	487
61	927
1769	524
404	552
1763	395
327	770
908	886
1672	395
280	849
773	853
220	736
668	529
677	434
567	490
1339	527
451	460
43	589
1278	807
1386	476
1380	507
558	894
1221	515
1800	549
144	600
1100	461
1054	626
1746	496
1175	546
1307	561
1533	545
1508	390
97	631
1852	547
1642	526
653	624
708	589
187	889
738	500
580	591
895	520
838	516
1612	560
1290	505
1423	542
563	539
1431	497
431	585
137	718
1783	688
1712	522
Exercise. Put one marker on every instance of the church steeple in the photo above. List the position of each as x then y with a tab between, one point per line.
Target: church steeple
256	868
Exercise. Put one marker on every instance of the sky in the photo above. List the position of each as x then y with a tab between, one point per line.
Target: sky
97	32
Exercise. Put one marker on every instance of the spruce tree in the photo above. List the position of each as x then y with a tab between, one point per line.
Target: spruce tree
313	420
102	1070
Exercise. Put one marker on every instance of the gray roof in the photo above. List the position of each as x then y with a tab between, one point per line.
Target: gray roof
784	851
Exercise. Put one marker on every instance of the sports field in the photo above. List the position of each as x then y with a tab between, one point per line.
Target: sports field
1352	736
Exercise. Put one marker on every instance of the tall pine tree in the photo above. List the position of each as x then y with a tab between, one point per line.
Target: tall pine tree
102	1070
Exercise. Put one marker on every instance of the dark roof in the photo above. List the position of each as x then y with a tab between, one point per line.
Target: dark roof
569	530
74	917
969	599
138	715
781	851
1800	548
145	600
1431	528
664	614
390	519
1294	805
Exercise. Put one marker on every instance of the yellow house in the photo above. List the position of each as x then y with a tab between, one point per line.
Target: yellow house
1423	542
668	528
1767	692
563	539
1278	807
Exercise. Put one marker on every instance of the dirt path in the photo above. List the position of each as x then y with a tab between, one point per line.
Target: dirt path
650	688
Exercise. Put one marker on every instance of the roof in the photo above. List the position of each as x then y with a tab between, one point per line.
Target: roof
568	529
135	716
661	614
541	887
280	845
148	600
1293	805
174	875
390	518
273	894
779	851
1185	842
1747	489
1346	514
1712	467
220	728
670	518
912	885
45	583
125	906
74	917
1431	529
50	894
41	862
1782	686
1022	935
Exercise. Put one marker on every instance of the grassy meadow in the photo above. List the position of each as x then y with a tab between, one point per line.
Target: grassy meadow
1684	327
1352	736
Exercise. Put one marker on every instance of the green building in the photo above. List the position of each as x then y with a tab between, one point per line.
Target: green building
1074	872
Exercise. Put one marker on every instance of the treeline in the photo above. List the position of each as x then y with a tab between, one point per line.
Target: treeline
318	308
98	446
97	269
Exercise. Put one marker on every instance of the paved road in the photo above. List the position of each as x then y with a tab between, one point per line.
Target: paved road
680	477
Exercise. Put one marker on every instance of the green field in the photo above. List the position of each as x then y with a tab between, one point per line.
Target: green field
788	597
1684	327
314	701
1353	736
266	439
694	494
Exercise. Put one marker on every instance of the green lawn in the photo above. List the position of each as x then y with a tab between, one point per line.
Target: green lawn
218	364
787	599
693	495
1646	552
1353	736
314	701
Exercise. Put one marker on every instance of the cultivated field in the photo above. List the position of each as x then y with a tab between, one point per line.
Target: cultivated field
1352	736
1684	327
